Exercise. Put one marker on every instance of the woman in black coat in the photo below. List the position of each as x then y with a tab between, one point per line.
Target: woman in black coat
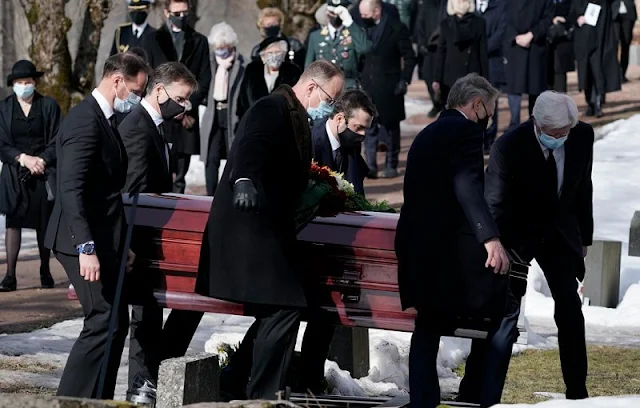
462	47
264	75
28	125
561	56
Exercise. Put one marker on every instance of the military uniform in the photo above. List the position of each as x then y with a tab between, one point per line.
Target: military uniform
343	46
135	32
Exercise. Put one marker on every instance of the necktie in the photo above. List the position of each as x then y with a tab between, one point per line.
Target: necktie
339	159
135	32
552	176
164	143
113	122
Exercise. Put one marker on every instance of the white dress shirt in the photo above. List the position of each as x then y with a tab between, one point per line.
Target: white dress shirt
558	155
481	5
333	139
332	31
138	29
270	78
157	120
106	108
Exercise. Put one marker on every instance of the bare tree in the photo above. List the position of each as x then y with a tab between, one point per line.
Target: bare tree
300	14
49	49
84	67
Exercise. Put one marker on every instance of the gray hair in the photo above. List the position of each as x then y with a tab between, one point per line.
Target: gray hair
554	110
222	34
283	45
469	87
321	15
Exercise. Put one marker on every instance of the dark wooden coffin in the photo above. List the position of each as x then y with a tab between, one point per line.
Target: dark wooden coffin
351	257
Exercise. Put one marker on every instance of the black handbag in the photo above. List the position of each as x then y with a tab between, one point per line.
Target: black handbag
518	273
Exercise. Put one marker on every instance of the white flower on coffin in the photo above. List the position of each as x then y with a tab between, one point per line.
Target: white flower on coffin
343	184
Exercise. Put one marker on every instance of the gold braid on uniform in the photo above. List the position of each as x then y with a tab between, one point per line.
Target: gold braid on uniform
301	130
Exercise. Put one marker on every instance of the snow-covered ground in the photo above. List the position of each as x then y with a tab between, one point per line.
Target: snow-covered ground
616	176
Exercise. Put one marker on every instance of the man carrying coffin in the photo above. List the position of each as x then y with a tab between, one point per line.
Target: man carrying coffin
249	246
87	227
443	268
540	193
337	140
149	171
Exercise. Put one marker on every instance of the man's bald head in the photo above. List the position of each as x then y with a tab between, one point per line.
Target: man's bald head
371	9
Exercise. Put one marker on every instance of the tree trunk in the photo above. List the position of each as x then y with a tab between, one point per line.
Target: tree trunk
84	67
300	15
49	49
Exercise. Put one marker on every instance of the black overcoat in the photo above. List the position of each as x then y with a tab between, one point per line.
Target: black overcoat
561	51
251	257
514	188
390	60
445	221
51	116
526	68
195	56
254	86
462	49
495	17
597	49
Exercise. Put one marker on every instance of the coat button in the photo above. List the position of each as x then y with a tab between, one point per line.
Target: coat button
479	226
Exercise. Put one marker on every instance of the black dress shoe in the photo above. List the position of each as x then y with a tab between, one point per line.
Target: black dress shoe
8	284
372	175
389	173
143	393
46	281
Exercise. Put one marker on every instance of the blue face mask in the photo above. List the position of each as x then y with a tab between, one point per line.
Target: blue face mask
551	142
24	91
223	53
125	105
323	110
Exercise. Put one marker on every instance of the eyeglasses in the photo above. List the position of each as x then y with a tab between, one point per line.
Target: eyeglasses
329	100
181	101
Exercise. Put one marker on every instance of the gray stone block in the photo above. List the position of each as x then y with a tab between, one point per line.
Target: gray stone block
350	349
634	235
602	279
246	404
188	380
49	401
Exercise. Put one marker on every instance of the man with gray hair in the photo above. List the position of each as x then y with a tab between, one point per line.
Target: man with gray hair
450	260
538	186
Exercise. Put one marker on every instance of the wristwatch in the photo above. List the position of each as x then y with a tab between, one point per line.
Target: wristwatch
88	248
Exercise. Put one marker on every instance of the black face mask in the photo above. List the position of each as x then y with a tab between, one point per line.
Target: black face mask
335	21
369	22
349	139
138	17
169	109
179	22
272	31
484	122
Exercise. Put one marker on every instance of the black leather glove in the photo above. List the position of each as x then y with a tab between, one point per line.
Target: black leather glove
245	196
401	88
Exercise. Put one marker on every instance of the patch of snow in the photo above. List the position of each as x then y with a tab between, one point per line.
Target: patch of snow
598	402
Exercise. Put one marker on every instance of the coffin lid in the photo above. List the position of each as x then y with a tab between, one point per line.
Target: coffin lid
362	229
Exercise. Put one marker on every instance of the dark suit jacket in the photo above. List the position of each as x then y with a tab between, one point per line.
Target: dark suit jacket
387	8
356	169
445	221
632	13
514	187
92	166
251	257
195	56
148	170
391	60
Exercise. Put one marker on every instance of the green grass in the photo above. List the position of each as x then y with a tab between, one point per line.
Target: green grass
612	371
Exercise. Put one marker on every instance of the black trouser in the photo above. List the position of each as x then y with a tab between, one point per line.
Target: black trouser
264	357
181	167
373	136
217	150
624	31
150	343
82	371
515	105
560	265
